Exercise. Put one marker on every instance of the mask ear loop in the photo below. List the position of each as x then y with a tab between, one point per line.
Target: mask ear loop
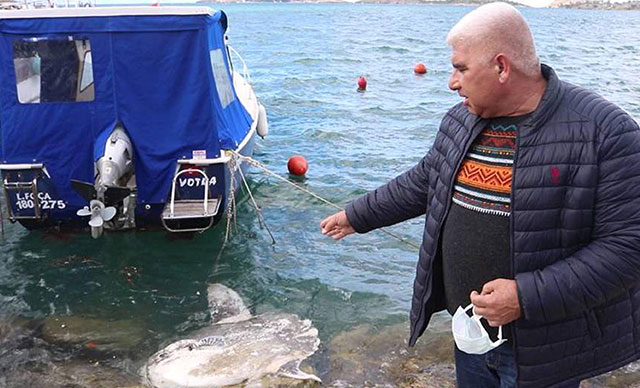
474	317
477	318
470	306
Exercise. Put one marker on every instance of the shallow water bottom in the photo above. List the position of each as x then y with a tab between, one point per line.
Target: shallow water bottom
66	352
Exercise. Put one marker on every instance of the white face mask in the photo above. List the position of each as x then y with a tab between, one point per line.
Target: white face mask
469	334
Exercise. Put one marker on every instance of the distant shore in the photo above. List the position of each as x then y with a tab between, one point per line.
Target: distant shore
574	4
632	5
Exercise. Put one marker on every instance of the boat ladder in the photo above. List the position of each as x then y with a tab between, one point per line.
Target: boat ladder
27	189
189	211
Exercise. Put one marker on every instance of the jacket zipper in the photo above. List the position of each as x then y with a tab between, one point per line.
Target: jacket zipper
511	239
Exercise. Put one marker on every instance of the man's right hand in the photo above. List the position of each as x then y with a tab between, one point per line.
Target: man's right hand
337	226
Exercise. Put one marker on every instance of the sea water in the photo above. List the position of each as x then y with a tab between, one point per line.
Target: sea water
304	60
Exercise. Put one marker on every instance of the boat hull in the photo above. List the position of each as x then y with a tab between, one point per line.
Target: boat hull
56	213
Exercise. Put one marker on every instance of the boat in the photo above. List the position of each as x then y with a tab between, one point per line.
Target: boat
122	118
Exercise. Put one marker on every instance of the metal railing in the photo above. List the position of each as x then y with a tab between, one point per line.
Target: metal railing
245	69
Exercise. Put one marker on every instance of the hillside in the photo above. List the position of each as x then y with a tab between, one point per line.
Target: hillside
587	4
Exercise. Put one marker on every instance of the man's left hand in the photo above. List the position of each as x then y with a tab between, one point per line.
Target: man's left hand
498	303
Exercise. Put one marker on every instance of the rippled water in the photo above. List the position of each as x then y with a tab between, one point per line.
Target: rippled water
304	60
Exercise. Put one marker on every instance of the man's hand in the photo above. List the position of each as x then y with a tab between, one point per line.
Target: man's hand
498	303
337	226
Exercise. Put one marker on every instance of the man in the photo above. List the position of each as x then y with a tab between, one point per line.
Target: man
531	192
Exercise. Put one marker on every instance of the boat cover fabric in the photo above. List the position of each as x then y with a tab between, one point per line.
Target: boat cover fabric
575	231
152	73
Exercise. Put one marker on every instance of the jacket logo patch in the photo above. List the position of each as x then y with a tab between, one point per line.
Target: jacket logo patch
555	175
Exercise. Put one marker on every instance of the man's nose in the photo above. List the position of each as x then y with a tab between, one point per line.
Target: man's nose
453	81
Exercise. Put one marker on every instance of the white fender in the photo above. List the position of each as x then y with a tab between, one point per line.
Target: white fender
262	127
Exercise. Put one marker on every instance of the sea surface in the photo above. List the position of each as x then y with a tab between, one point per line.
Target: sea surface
304	60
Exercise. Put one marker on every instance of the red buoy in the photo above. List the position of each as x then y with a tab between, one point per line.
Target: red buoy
420	68
362	84
297	165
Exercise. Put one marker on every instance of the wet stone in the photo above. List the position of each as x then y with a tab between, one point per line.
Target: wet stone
70	374
282	382
380	357
626	377
96	334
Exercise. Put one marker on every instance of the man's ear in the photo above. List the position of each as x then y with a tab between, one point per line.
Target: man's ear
503	67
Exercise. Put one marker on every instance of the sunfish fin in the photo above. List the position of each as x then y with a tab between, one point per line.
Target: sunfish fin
292	371
225	305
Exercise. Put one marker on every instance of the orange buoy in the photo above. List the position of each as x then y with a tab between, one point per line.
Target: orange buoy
420	68
297	165
362	84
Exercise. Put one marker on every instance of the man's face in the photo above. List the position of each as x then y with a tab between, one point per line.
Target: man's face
476	80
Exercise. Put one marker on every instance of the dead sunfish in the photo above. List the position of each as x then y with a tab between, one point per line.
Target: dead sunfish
236	348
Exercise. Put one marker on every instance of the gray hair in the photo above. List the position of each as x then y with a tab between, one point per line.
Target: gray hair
498	28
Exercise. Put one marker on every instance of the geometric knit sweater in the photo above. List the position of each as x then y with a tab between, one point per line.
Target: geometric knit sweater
475	234
484	180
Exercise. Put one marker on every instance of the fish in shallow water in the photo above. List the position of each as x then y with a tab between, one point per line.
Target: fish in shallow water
236	348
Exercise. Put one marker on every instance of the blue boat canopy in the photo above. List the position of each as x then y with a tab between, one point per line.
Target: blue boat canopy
69	76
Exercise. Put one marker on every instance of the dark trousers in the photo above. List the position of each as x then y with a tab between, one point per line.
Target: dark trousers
495	369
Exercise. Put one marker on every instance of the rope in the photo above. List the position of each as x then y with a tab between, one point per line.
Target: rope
230	210
2	222
255	206
261	166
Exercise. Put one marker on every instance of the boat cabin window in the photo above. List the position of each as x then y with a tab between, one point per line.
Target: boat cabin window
221	77
53	70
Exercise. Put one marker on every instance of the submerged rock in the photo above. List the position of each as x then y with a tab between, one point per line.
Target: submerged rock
380	357
99	335
236	349
626	377
76	374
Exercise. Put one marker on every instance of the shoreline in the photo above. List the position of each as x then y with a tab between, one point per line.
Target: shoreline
558	4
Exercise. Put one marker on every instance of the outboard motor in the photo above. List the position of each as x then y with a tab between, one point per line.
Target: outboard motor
114	169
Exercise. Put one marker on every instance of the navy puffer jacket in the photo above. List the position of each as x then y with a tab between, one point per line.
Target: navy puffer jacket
575	231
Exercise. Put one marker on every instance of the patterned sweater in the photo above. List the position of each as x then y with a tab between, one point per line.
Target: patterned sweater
475	237
484	180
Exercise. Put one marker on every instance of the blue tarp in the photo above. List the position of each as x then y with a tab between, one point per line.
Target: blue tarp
153	74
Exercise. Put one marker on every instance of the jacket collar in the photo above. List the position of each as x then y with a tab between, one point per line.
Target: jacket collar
549	102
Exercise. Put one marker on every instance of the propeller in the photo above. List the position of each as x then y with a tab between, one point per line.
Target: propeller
99	214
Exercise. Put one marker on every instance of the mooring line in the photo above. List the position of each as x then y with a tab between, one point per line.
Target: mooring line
1	223
262	167
255	206
230	211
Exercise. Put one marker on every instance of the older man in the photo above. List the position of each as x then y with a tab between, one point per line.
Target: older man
531	192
